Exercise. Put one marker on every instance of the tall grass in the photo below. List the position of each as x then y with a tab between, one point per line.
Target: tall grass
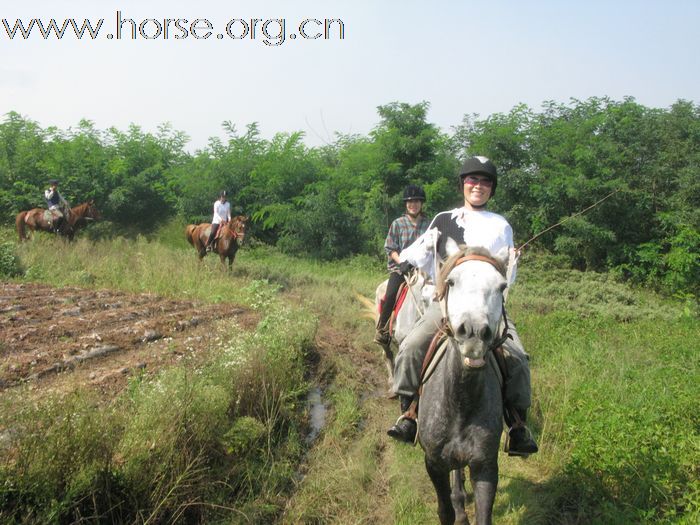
615	380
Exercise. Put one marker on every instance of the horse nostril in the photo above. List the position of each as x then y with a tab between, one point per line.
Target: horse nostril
461	330
485	333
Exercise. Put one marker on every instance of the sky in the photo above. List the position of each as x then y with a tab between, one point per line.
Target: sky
462	57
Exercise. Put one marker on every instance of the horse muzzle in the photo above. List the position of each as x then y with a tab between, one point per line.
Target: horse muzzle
473	352
471	362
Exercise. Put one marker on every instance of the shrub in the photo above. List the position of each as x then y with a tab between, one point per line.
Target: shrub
9	262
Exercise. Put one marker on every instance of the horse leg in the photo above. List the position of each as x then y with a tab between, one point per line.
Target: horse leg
389	363
484	478
459	496
441	482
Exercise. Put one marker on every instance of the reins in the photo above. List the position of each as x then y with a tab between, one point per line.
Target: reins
410	281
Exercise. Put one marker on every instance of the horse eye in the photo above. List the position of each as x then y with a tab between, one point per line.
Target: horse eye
450	283
503	287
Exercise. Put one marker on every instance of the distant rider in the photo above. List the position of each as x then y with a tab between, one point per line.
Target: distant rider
58	206
402	232
222	213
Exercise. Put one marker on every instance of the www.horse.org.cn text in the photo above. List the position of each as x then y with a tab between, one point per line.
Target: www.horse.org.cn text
270	31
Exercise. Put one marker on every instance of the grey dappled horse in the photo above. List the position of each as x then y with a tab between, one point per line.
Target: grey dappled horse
417	300
460	418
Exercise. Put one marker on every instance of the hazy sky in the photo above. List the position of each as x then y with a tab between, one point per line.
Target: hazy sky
462	57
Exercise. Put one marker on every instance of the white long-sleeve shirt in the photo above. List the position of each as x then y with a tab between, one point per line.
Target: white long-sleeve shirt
222	212
473	228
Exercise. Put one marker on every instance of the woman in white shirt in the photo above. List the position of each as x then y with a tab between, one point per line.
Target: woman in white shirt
222	213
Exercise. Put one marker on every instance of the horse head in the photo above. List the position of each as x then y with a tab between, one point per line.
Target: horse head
91	211
471	285
86	211
236	227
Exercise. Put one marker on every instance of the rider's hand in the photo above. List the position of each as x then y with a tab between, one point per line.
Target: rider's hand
430	237
405	268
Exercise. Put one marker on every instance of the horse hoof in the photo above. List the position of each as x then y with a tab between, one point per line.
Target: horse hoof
391	394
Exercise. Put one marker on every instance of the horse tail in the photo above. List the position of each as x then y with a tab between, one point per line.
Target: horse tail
19	223
189	233
369	308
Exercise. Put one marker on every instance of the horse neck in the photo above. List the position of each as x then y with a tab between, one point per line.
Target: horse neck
465	386
80	210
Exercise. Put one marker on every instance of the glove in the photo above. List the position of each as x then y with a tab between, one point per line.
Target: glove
405	268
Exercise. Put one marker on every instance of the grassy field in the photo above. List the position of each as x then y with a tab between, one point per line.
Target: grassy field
615	383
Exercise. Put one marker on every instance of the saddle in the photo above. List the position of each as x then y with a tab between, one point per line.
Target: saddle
51	215
220	231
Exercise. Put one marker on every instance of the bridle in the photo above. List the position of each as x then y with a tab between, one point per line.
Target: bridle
446	327
236	232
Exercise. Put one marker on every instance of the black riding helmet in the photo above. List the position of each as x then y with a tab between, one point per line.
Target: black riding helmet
479	166
413	193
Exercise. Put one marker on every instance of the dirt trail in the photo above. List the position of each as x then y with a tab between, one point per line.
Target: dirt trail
395	488
58	338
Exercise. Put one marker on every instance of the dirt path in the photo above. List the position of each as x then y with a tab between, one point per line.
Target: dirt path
372	478
59	338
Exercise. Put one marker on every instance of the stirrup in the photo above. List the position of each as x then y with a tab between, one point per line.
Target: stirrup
529	441
398	433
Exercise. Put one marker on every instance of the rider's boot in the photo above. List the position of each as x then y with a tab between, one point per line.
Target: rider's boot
405	427
519	441
382	336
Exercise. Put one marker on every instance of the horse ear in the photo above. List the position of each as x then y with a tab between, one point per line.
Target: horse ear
451	247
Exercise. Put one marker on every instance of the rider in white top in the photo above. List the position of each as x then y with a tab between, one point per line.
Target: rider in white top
474	226
222	213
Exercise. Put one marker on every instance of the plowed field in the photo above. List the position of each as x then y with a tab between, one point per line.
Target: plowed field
59	338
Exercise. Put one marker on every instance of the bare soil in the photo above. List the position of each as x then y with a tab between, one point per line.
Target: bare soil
60	338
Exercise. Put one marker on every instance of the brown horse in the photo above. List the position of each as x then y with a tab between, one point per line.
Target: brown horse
228	238
36	219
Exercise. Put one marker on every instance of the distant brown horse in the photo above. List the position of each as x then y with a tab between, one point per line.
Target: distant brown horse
228	238
35	219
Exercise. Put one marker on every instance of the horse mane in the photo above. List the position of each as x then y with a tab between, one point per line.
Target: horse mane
451	262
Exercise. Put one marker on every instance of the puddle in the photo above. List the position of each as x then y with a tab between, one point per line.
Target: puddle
317	414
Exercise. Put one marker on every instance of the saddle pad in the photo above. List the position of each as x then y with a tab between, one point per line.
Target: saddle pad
400	298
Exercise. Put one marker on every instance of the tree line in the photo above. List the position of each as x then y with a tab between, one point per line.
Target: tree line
337	200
